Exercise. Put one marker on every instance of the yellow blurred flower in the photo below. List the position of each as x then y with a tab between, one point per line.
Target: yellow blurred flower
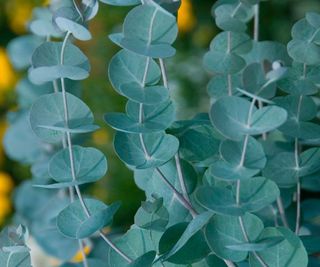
7	75
101	137
19	12
186	17
78	257
46	2
6	184
5	207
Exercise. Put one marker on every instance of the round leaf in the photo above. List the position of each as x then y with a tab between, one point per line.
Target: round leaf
159	146
229	116
255	158
48	121
288	253
156	118
89	163
74	223
46	65
127	67
148	30
67	19
223	231
223	63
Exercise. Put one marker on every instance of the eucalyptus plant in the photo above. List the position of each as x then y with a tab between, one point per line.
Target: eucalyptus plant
222	189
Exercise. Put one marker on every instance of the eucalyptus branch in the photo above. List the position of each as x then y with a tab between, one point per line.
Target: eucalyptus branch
282	212
256	22
177	158
184	201
296	157
241	164
229	77
71	158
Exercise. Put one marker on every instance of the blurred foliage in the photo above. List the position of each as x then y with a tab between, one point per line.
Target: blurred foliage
187	79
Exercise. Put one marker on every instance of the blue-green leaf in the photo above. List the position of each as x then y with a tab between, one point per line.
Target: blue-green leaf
68	20
231	151
151	95
218	199
148	30
20	143
223	231
48	121
222	62
152	215
89	165
229	116
127	67
189	251
121	2
192	229
258	246
146	260
223	170
46	65
20	50
147	150
283	169
42	24
73	221
289	253
156	118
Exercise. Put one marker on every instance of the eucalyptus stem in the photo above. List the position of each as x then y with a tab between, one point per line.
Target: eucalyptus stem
115	248
282	212
298	193
229	263
241	164
256	22
229	77
182	199
236	9
256	38
296	158
176	157
71	158
181	178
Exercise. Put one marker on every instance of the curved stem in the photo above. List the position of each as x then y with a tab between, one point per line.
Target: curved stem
256	22
114	247
241	163
282	212
184	201
181	178
296	157
69	146
229	77
298	207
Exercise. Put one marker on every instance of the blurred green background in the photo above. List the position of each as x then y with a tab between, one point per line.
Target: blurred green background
187	81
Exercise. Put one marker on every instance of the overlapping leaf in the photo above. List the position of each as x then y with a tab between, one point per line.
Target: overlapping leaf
48	120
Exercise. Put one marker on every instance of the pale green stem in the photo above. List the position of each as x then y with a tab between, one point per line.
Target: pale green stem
296	157
176	157
282	212
78	10
69	145
241	163
179	196
229	77
236	9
